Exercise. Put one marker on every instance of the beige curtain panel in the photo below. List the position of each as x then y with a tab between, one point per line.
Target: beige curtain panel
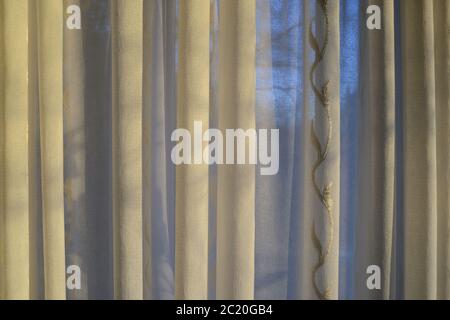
354	97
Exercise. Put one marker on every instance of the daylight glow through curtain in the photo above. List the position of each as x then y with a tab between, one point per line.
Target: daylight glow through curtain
87	177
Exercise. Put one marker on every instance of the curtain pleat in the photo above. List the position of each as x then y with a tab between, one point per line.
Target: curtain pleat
377	137
158	87
276	108
236	184
127	66
2	159
37	278
191	248
303	264
442	78
96	34
50	22
213	123
15	120
165	273
153	94
419	116
74	127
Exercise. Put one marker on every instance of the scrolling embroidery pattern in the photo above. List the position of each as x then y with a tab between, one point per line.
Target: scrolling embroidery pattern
324	193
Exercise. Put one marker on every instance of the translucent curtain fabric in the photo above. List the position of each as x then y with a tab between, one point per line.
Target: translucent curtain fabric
403	169
86	176
15	155
159	94
127	62
75	193
377	146
236	183
88	150
20	210
441	11
425	100
50	80
191	244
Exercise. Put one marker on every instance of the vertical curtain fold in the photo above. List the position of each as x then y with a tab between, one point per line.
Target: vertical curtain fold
86	177
236	184
376	171
442	78
158	87
191	243
170	86
127	66
74	128
277	101
15	121
2	159
305	251
151	87
96	54
213	123
37	286
420	171
50	26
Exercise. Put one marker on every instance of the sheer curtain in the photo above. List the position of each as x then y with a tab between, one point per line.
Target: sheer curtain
87	180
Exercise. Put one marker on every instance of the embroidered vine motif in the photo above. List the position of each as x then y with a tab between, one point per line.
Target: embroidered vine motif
324	193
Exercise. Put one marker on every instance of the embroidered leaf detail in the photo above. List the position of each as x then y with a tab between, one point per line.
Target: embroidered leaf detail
315	139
